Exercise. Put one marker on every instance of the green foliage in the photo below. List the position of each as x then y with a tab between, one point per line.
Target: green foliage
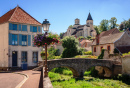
66	81
115	51
102	54
80	37
88	53
70	45
104	25
113	24
71	26
126	24
86	56
89	37
52	52
61	35
125	54
97	29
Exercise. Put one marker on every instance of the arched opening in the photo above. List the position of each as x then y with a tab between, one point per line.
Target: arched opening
63	71
98	71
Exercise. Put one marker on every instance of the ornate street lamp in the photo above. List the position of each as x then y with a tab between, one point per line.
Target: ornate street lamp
46	25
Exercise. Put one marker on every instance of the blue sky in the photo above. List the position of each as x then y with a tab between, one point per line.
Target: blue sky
62	13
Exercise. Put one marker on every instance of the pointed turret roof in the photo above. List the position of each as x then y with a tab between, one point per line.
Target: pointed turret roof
89	17
18	15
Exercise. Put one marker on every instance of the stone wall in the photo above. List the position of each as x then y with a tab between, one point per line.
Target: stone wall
126	65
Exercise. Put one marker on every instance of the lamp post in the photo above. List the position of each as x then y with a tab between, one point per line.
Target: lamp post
46	25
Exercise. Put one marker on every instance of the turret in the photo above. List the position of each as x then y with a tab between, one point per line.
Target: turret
77	21
89	20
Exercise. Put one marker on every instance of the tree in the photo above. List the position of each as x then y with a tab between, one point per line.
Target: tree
126	23
103	25
121	27
70	45
97	29
61	35
113	24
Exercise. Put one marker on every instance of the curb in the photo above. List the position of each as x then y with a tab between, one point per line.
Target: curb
21	83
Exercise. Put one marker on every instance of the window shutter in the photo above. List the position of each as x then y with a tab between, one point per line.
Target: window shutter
24	27
10	39
20	39
39	28
32	40
31	28
19	28
29	40
10	26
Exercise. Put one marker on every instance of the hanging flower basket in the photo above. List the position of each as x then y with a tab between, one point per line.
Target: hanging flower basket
40	39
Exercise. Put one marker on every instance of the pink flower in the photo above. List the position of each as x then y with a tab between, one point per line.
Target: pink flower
45	43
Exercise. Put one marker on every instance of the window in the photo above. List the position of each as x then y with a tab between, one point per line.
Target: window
35	57
24	40
94	49
34	29
108	48
24	57
14	39
14	26
101	48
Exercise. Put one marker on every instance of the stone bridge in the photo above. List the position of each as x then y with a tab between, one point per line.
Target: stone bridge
79	65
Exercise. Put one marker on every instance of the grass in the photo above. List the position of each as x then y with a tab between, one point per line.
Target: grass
64	79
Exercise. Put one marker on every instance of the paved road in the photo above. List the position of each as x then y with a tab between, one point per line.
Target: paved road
10	80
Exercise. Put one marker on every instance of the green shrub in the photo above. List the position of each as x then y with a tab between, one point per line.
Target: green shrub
52	52
88	53
102	54
115	51
88	56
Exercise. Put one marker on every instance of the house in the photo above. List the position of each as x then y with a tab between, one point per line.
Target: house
86	44
110	40
17	29
82	30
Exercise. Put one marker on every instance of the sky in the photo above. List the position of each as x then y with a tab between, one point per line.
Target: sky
62	13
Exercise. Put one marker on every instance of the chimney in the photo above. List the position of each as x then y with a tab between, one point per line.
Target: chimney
97	39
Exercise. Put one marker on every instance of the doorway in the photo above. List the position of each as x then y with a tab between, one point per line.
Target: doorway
14	58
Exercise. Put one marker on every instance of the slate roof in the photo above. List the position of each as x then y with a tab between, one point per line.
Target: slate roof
123	49
109	38
89	17
18	15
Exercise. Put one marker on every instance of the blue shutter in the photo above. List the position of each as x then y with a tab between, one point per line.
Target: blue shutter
20	39
39	28
10	26
32	40
19	28
29	40
10	39
31	28
24	27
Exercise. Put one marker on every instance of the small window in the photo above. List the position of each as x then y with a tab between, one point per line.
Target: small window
24	40
101	48
14	39
94	49
108	48
24	57
35	57
14	26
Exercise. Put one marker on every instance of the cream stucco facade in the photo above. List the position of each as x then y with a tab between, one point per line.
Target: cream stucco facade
6	49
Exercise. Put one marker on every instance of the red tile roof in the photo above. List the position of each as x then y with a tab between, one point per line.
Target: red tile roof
18	15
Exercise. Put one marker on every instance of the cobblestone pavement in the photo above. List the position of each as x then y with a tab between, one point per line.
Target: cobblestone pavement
10	80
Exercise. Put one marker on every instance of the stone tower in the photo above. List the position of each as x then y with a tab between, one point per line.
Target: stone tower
77	21
89	20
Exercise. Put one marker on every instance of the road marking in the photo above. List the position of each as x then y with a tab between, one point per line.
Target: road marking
21	83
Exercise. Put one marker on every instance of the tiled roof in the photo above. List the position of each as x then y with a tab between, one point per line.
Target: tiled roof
85	40
112	31
123	49
111	38
18	15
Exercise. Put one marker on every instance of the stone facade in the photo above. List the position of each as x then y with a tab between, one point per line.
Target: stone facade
82	30
126	65
78	66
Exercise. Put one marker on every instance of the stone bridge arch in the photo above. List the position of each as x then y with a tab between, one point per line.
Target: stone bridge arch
79	65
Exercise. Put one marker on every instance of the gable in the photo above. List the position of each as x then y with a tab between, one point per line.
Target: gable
124	40
20	16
